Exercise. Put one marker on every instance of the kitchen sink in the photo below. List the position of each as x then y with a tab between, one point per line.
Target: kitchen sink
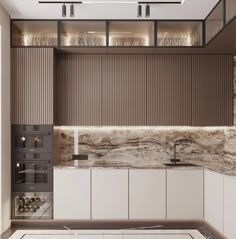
180	165
108	164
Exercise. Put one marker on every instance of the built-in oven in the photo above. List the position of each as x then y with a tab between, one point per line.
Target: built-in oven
32	172
32	205
32	138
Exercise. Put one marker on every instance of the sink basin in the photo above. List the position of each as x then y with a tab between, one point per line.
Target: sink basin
181	165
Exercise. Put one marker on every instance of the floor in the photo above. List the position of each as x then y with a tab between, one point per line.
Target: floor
107	230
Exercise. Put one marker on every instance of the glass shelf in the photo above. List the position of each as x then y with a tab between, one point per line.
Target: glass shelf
34	33
83	33
131	33
215	21
179	33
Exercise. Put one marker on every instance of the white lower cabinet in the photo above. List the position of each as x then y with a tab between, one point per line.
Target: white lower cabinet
147	194
214	199
110	194
229	207
185	194
71	193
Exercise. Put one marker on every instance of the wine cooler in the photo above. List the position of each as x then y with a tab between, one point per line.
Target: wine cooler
32	171
36	205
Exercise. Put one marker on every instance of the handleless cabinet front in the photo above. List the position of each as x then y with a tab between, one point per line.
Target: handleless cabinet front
214	199
147	194
229	207
32	85
72	194
185	194
110	194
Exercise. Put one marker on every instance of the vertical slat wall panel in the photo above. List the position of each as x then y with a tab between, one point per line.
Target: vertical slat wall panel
124	90
32	85
212	93
79	89
169	90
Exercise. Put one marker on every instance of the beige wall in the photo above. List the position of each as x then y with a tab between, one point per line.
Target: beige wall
5	136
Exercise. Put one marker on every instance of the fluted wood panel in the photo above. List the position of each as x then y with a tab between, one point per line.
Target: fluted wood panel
212	93
169	90
124	90
78	89
32	85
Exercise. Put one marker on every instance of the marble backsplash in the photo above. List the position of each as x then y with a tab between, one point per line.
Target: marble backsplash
150	143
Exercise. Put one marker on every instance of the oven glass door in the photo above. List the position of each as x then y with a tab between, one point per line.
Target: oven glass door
31	173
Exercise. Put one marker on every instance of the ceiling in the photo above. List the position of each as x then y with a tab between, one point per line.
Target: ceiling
122	9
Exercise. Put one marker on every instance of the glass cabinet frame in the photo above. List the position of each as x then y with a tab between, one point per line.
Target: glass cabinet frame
180	38
124	38
83	39
42	38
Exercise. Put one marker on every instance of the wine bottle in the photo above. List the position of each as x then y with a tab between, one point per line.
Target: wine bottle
37	200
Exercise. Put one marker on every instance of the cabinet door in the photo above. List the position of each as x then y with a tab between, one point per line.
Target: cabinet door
78	89
32	85
229	207
147	194
169	90
124	90
214	199
72	194
110	194
185	194
212	92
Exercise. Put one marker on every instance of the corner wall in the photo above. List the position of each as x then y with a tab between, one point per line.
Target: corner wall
5	129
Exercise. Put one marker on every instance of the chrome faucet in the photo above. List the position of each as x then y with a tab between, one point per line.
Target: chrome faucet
174	159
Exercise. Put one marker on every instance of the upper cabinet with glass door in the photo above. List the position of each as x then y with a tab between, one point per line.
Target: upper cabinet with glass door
34	33
83	33
179	34
215	21
230	10
131	33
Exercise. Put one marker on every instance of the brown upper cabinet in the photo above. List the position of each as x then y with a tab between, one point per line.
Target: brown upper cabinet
32	85
212	90
169	90
124	90
78	89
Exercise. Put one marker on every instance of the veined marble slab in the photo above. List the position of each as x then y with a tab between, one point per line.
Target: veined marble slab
107	234
145	143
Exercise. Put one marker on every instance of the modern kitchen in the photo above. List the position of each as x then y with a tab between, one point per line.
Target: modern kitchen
118	119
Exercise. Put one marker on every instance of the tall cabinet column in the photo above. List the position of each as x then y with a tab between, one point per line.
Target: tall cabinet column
32	85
